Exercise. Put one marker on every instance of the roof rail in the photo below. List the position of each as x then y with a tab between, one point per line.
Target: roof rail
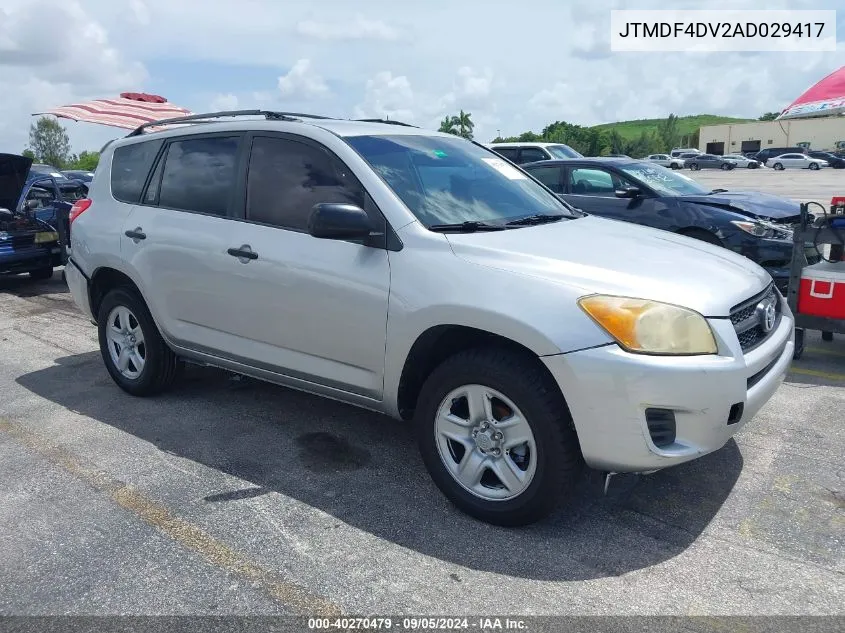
388	121
270	115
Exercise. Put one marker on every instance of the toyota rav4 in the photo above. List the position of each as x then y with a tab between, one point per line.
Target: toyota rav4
420	275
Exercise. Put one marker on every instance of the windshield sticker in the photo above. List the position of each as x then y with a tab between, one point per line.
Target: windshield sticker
55	175
439	153
509	171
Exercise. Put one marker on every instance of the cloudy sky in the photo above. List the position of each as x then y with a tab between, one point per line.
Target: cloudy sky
515	65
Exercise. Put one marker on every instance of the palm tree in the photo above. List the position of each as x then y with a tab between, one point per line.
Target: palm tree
464	124
448	125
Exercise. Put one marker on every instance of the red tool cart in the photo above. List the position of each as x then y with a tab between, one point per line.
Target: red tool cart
816	293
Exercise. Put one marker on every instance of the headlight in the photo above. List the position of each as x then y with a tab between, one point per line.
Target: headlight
754	228
651	327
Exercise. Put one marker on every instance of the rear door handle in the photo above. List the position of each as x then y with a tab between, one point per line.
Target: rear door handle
244	253
136	234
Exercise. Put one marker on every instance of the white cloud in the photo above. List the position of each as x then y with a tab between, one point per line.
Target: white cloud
40	69
223	102
387	96
359	28
301	80
140	12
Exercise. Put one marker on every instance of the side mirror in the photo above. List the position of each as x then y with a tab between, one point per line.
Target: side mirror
628	192
339	221
31	205
5	213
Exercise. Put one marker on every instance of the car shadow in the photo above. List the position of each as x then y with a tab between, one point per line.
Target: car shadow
24	286
364	469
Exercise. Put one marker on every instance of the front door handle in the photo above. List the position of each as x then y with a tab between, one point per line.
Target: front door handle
137	234
244	253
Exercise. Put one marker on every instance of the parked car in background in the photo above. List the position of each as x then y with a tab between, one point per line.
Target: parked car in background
558	338
742	161
521	153
708	161
50	199
665	160
676	153
795	161
756	225
27	244
764	155
618	156
837	162
78	174
686	155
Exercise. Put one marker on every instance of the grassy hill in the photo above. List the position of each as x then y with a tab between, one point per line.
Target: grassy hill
631	130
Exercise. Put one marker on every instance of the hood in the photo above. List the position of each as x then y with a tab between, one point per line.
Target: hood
13	173
752	204
596	255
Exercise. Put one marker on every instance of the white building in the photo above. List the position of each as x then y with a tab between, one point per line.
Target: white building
825	133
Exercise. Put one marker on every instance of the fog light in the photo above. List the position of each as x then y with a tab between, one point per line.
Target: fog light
661	426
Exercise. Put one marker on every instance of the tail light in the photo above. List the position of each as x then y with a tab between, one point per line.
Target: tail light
78	208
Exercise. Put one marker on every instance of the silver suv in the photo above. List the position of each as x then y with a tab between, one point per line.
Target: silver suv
421	275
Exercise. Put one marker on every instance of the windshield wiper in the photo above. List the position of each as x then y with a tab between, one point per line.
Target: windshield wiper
467	227
541	218
719	191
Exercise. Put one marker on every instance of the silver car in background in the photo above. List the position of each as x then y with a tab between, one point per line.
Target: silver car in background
795	161
664	160
742	161
422	276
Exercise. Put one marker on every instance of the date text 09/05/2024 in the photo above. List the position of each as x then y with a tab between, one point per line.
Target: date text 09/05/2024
417	624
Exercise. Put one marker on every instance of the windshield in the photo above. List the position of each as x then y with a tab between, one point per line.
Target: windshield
450	180
664	181
563	151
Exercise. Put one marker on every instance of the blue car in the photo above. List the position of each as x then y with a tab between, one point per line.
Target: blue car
28	244
756	225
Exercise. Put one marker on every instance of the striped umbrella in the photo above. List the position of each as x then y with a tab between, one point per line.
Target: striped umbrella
128	111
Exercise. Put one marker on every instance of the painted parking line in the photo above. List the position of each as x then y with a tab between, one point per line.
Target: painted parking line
295	598
817	373
826	352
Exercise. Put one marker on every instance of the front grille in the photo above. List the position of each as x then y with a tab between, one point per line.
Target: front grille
22	241
749	318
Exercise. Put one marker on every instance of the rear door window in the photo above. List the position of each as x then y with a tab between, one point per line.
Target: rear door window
199	174
531	155
549	176
508	152
129	169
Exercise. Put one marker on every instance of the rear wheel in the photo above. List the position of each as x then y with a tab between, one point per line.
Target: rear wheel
135	354
42	274
726	166
496	436
694	166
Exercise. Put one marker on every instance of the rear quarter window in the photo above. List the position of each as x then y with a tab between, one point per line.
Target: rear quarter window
129	169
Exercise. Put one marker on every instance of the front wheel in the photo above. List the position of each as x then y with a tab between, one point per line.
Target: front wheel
778	166
694	167
496	436
725	166
814	166
135	354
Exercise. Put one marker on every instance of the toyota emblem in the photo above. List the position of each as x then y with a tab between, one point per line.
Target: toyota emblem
768	315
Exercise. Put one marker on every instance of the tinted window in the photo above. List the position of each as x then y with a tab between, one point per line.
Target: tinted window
448	180
130	167
549	176
199	175
508	152
591	182
532	154
286	179
563	151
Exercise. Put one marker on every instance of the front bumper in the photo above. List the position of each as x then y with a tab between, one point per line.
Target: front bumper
608	391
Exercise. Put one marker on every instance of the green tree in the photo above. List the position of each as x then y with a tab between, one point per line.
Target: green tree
86	161
617	143
447	125
28	153
49	142
769	116
667	133
464	124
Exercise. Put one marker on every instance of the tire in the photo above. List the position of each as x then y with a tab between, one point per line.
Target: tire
778	166
798	352
42	274
555	461
827	336
725	166
751	166
703	235
814	166
160	365
694	167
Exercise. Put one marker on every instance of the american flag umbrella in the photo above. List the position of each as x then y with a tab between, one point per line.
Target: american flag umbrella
128	111
823	99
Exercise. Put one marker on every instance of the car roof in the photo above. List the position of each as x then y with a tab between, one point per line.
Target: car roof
525	144
588	160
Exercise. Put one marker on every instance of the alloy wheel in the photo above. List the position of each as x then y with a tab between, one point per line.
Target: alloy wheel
125	337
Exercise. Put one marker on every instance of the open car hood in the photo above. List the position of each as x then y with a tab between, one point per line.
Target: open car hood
752	204
13	173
